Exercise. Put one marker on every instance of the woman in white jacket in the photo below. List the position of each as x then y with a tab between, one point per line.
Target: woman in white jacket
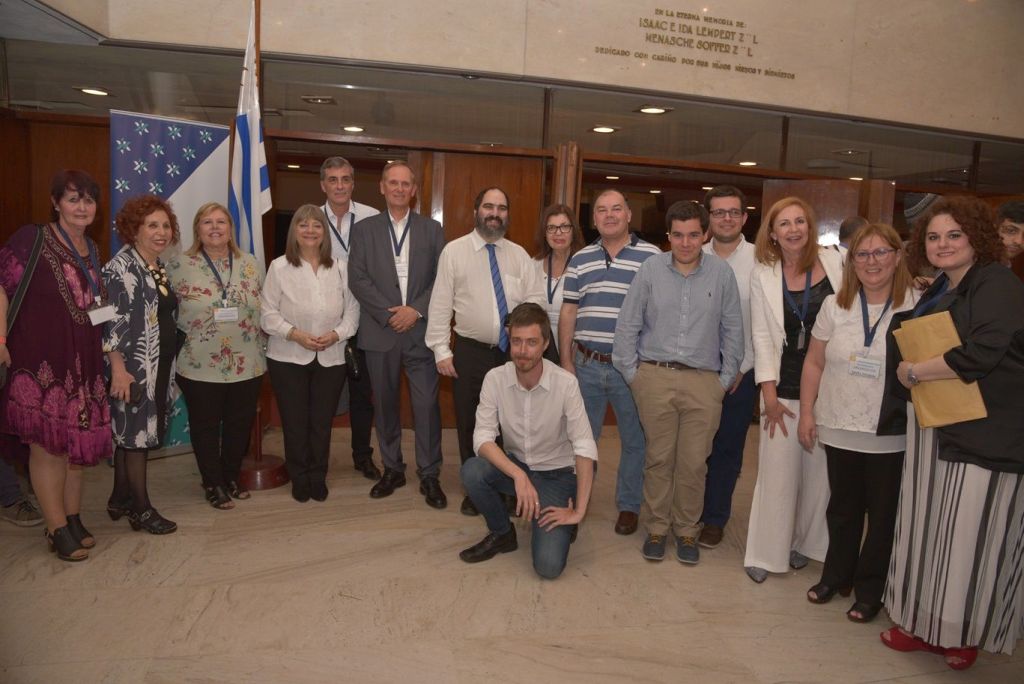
787	287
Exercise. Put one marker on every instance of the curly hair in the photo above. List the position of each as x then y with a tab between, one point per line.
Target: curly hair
975	218
134	212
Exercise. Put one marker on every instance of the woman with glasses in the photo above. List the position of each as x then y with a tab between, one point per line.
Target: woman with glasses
841	392
558	238
955	580
787	287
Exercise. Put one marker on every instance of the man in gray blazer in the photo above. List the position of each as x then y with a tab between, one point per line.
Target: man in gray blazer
392	266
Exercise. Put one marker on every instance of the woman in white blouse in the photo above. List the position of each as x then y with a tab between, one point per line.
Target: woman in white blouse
558	237
309	312
841	393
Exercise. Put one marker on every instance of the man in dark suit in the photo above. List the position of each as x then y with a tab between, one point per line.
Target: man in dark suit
392	266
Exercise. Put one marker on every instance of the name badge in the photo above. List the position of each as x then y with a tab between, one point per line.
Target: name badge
866	366
403	269
101	314
227	314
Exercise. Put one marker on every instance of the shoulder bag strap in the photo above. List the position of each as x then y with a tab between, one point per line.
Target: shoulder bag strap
26	278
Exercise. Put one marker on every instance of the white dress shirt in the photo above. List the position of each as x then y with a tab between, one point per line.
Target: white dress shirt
464	287
553	305
545	427
316	303
402	258
343	224
742	262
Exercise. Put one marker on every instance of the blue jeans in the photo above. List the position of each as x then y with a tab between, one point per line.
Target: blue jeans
726	457
10	488
485	484
600	385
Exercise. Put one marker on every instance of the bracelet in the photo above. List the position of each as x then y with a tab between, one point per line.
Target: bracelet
911	377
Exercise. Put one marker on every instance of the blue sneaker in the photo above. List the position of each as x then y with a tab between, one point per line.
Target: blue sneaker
654	547
687	551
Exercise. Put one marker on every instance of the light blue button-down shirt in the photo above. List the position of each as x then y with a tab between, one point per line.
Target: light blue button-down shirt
693	319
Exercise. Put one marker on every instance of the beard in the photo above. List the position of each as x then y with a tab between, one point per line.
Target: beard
491	232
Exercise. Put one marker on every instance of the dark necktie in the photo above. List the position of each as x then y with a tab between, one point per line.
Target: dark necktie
499	295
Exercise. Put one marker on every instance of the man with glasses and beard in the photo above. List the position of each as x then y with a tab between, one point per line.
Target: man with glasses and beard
480	278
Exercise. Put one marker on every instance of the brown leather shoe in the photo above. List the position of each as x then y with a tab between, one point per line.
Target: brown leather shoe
711	536
626	524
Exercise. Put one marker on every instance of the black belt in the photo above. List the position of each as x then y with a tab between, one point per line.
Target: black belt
674	365
459	339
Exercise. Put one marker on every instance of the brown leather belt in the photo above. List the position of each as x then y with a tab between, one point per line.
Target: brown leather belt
674	365
595	355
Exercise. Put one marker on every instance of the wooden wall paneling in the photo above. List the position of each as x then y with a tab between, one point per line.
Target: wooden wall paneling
832	200
15	200
877	200
568	177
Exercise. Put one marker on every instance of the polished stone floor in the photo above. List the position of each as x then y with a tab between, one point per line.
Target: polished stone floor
361	590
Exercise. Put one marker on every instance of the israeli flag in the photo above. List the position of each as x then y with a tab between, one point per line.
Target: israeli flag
249	196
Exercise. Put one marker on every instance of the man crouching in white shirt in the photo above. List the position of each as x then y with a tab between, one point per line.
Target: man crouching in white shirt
549	455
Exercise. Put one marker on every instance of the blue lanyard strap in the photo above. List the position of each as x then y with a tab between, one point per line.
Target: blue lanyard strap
553	286
93	259
396	242
925	305
805	301
216	273
869	333
351	222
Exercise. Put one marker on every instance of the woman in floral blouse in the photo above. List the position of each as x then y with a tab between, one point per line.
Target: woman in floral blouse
221	365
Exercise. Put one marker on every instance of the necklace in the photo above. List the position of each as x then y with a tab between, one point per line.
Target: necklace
159	275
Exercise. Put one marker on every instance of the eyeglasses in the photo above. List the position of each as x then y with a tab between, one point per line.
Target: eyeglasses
563	228
722	213
880	254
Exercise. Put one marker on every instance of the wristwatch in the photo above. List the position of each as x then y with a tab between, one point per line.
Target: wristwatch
911	377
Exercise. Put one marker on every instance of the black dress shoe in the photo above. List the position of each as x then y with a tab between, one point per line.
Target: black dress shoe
152	522
492	545
367	468
300	491
392	480
430	488
627	522
318	491
468	507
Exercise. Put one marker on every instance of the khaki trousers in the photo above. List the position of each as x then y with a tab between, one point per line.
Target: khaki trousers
680	411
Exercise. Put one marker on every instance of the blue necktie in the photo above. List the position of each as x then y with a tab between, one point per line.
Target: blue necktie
499	295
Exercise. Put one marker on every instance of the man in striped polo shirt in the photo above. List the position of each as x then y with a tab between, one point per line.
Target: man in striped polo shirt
595	286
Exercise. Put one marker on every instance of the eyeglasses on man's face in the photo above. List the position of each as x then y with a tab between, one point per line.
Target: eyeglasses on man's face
560	228
880	254
722	213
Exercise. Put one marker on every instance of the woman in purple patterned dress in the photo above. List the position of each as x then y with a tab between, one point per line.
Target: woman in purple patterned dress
55	399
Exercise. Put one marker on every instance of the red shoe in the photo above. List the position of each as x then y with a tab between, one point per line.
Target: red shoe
898	640
961	658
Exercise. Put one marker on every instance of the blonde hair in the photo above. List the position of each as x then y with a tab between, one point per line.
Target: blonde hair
307	212
901	279
202	213
768	251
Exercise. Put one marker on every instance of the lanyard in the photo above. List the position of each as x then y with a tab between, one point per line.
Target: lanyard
552	288
869	333
805	301
925	305
216	273
351	222
405	233
93	259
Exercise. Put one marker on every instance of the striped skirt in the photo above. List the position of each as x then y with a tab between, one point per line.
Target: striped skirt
955	576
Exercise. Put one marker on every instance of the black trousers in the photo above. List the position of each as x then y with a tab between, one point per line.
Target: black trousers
306	398
360	409
220	416
472	361
861	483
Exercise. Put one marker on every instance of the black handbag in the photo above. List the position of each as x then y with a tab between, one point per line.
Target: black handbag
19	294
352	367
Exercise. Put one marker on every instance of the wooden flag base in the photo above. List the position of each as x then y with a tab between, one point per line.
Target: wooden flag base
260	470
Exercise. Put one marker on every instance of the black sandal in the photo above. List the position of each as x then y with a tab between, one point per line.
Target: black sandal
867	611
237	491
218	498
63	543
152	522
82	536
823	593
118	509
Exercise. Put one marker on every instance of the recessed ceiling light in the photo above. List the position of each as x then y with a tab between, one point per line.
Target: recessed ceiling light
705	187
604	129
490	143
470	77
652	109
848	152
93	90
856	178
611	177
748	163
354	129
293	166
655	192
317	99
751	208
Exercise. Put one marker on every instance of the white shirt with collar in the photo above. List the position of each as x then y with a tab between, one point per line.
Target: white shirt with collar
545	427
397	227
463	287
742	261
295	296
343	225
